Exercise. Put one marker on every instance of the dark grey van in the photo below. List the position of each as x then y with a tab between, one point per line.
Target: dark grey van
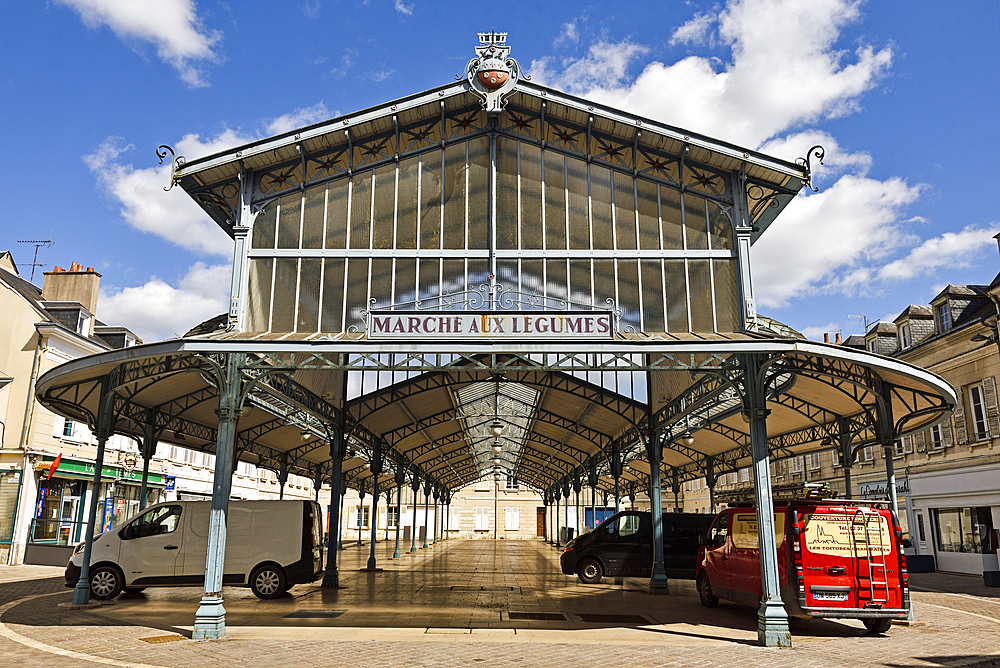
622	546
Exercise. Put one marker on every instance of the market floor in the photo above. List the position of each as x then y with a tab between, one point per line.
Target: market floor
460	602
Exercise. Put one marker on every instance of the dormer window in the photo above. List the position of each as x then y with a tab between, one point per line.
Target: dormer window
944	316
872	345
905	341
83	324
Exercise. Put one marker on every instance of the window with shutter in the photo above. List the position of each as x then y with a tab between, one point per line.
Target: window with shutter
958	415
992	412
512	519
977	413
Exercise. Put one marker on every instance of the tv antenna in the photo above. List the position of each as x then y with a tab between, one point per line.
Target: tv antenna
863	317
34	261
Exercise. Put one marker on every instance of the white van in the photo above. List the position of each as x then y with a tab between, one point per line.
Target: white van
270	546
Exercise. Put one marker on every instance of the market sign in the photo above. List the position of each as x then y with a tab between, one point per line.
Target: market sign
880	490
538	325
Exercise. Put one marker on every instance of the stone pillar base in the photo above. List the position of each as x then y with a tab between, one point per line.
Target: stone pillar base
210	620
81	594
331	579
772	625
658	583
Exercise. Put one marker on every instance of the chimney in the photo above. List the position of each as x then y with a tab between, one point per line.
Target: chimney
77	284
839	342
826	337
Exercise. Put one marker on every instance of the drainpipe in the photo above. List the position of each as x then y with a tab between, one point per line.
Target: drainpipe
29	407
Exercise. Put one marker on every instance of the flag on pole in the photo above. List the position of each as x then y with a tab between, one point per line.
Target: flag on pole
54	466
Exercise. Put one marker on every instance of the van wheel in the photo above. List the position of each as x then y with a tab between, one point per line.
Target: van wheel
708	599
267	581
105	582
589	571
877	625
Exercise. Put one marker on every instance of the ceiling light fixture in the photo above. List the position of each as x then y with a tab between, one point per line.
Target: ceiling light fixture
686	440
496	428
306	435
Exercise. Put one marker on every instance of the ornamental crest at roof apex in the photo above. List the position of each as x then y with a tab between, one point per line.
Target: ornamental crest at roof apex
494	73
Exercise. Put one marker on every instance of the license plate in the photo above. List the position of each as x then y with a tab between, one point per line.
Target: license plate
829	596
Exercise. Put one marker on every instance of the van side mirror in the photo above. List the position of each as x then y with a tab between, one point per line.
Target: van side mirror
702	539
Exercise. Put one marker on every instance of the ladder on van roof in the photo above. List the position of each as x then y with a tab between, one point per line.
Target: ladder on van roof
868	521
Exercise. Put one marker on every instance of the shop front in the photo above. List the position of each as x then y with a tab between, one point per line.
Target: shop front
59	520
957	514
10	490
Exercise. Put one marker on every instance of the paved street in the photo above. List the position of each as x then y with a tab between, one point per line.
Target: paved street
503	603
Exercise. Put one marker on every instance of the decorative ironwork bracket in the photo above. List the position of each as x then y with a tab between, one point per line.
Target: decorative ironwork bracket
816	151
175	163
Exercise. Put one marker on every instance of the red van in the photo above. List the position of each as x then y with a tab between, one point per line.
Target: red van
836	558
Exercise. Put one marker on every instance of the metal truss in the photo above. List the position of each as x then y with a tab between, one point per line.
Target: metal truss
568	362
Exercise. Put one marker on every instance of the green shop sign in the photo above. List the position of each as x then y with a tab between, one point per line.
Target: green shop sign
71	469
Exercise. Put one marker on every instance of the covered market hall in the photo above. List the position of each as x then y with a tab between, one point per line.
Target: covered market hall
494	277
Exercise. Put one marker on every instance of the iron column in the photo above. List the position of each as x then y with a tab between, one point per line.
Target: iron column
105	417
772	619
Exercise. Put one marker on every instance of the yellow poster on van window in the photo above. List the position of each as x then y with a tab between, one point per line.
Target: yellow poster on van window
847	535
744	530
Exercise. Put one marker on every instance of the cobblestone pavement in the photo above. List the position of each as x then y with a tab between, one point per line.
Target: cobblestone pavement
452	604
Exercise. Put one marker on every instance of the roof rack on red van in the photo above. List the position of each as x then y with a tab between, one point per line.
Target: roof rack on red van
793	492
808	491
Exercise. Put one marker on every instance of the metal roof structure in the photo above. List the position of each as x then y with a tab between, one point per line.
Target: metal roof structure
556	423
493	277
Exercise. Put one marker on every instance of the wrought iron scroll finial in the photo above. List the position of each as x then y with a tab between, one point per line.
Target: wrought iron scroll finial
175	162
816	151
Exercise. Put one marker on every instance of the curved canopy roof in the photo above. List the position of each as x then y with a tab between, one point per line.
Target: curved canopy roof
562	410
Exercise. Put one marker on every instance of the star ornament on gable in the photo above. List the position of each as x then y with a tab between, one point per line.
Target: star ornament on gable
493	74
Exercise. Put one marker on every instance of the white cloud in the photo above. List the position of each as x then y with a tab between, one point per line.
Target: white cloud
144	204
404	9
603	69
298	118
785	70
829	241
311	9
694	31
570	34
173	26
157	310
381	75
951	249
173	215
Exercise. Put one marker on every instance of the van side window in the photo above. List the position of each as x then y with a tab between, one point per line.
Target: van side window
152	523
626	526
719	531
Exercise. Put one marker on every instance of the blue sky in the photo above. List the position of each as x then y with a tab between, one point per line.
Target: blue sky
901	94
